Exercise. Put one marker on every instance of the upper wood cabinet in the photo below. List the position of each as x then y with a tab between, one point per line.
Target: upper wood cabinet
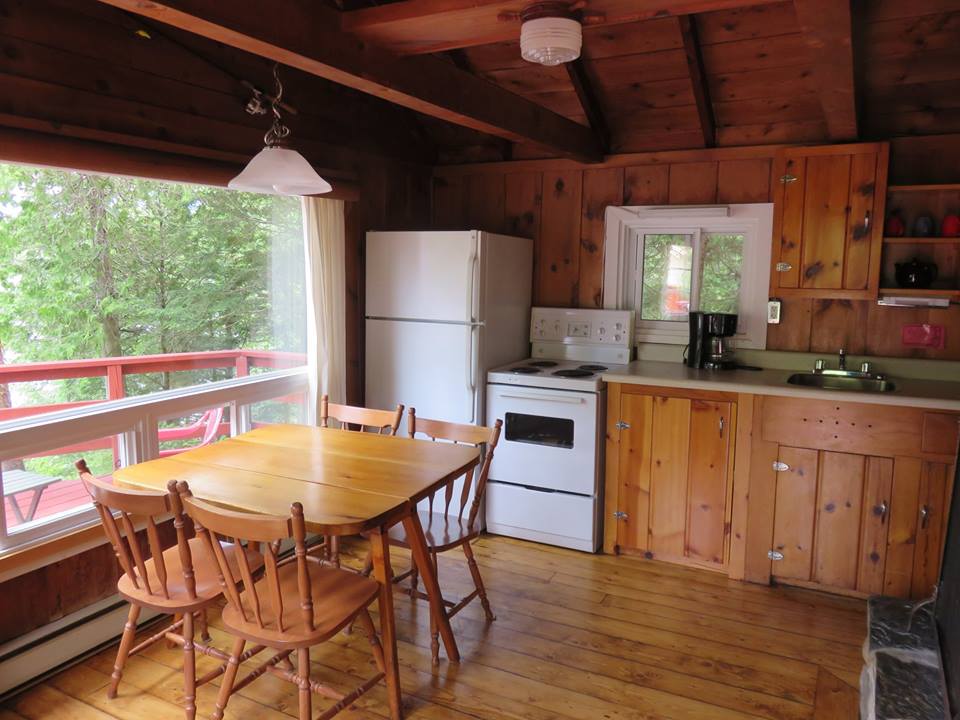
828	221
670	466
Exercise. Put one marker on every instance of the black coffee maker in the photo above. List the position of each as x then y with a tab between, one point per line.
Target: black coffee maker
711	340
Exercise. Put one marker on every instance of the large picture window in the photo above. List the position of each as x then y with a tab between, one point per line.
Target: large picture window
117	288
664	262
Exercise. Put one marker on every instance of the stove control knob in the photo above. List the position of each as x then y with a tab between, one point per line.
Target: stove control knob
603	330
616	338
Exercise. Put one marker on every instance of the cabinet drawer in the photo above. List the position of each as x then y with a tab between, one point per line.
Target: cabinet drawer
552	517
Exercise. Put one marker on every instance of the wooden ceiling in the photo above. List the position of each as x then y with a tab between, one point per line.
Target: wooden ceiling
442	80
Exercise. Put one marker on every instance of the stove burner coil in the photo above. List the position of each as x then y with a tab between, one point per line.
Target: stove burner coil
594	368
572	373
543	363
525	370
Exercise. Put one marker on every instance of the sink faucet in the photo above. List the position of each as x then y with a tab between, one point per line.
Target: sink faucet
843	359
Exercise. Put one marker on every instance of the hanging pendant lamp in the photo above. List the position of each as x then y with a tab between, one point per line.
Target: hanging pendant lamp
277	170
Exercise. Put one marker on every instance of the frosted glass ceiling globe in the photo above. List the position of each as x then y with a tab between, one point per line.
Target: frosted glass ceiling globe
550	40
278	171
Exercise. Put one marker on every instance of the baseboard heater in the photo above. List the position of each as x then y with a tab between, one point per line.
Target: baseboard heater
31	658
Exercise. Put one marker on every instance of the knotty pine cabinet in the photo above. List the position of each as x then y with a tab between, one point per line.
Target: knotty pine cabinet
828	221
855	496
669	474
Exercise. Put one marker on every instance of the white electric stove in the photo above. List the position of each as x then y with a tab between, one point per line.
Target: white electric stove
546	479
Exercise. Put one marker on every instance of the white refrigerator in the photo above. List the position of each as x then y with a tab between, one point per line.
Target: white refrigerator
442	308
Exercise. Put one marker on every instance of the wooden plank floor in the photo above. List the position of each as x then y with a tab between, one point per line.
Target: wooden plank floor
577	637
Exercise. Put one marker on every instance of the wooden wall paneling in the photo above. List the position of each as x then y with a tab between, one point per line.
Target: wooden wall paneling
836	324
600	189
902	534
523	203
646	185
635	463
448	202
693	183
878	483
794	330
884	325
559	242
743	181
739	503
668	475
353	328
760	500
930	530
824	220
839	504
795	514
483	204
711	425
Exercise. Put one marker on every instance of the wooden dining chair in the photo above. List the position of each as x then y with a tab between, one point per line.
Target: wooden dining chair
448	524
351	417
295	606
172	581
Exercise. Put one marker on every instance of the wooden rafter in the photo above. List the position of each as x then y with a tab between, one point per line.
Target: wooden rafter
306	36
827	27
415	27
589	102
698	79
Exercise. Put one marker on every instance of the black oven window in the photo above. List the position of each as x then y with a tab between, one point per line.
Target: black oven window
539	430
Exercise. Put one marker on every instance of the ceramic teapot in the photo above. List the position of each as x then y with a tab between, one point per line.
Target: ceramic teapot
916	274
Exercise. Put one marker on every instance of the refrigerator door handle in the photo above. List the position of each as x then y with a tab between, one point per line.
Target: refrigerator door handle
471	372
471	286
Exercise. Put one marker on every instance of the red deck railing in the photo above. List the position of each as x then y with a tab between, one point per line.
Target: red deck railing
69	493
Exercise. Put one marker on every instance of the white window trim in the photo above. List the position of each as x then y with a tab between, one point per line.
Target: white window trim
623	224
135	421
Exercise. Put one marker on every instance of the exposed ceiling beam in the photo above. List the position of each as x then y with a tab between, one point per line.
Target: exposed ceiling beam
589	102
305	35
415	27
698	79
826	26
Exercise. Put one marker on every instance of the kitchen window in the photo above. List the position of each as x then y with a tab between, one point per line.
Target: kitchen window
664	262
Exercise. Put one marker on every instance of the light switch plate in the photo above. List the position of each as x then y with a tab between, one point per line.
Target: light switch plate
773	312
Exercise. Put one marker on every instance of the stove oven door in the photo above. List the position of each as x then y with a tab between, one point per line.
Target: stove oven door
549	438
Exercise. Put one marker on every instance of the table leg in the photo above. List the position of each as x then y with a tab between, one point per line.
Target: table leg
380	549
15	506
34	503
421	555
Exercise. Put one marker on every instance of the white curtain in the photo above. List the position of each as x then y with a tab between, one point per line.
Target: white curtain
323	227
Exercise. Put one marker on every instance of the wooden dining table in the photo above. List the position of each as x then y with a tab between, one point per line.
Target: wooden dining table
347	482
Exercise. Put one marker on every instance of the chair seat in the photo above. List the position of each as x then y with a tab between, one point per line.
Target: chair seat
205	573
338	595
441	531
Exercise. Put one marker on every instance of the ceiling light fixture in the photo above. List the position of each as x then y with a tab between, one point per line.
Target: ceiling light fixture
551	31
277	170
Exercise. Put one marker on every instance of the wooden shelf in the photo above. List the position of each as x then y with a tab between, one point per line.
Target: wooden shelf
922	240
921	292
924	188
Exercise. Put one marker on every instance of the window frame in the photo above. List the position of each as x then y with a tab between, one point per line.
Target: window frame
623	272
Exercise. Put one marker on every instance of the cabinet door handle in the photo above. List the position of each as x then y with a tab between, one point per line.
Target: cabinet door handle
721	426
866	220
881	510
924	517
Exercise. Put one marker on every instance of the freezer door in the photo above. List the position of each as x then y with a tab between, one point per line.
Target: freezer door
549	438
423	365
422	275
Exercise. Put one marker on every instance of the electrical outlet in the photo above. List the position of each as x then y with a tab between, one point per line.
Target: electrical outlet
773	312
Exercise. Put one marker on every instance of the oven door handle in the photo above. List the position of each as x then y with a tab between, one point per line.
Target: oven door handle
546	398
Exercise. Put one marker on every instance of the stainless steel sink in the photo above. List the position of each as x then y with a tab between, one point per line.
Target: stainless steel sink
828	381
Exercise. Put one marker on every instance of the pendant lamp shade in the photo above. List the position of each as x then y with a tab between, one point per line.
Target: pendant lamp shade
279	171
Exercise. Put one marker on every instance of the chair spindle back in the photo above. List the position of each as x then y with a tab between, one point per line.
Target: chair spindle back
263	606
384	422
457	433
117	508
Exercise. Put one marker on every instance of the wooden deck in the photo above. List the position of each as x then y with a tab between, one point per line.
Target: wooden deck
577	637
